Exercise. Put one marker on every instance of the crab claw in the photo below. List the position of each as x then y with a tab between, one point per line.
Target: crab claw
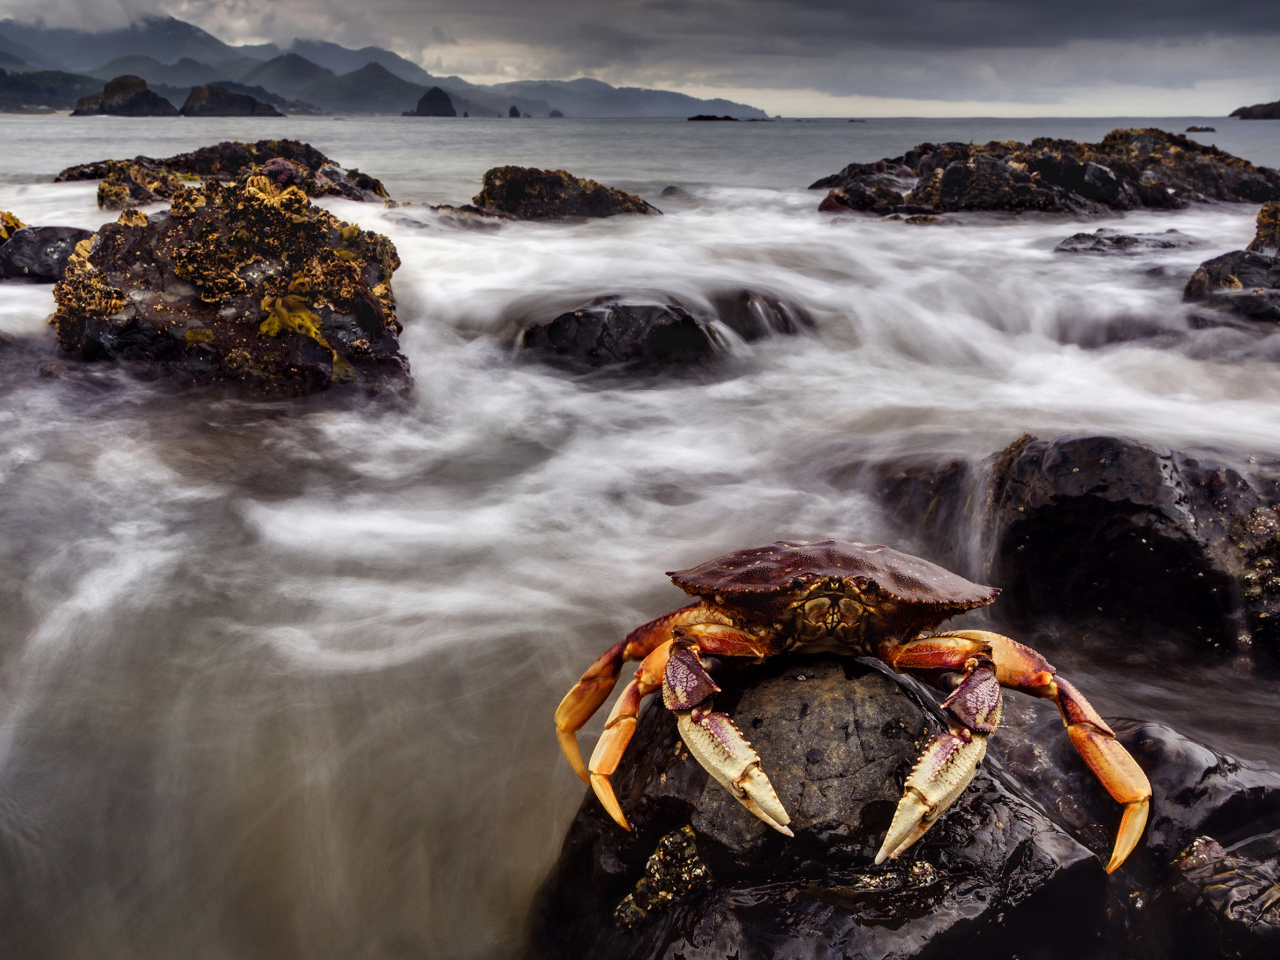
721	748
943	771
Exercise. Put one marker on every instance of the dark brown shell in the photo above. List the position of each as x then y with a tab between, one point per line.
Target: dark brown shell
789	564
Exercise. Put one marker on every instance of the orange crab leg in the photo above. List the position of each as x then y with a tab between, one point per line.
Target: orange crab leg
1018	667
586	696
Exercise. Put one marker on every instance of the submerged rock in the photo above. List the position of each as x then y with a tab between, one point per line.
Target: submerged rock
1128	169
240	283
1112	241
532	194
752	315
316	174
39	253
434	103
126	96
215	101
609	331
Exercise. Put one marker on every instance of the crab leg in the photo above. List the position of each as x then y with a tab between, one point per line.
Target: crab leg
1021	668
950	759
586	696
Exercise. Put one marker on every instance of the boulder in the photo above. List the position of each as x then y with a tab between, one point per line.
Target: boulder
610	331
1129	168
214	101
1112	241
240	283
1259	111
752	315
837	738
39	253
1240	282
532	194
434	103
321	176
126	96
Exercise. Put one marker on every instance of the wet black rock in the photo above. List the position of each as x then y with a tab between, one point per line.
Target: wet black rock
610	331
214	101
532	194
39	253
126	96
1240	282
243	284
1112	241
753	315
320	175
1259	111
1142	548
434	103
1127	169
1223	902
837	739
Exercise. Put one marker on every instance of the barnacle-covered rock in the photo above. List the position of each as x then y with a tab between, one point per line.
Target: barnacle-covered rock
239	282
1129	168
532	194
128	185
313	172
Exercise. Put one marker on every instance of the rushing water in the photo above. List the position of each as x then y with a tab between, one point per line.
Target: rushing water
276	679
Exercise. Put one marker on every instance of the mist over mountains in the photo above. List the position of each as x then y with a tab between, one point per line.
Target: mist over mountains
309	75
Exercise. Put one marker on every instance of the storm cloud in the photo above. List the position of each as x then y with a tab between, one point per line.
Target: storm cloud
1088	56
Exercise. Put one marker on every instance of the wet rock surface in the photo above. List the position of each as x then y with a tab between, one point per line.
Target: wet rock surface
293	163
611	331
837	738
1112	241
212	100
532	194
1240	282
39	253
126	96
1126	170
243	284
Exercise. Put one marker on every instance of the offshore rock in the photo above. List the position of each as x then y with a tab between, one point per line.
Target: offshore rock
1127	169
434	103
532	194
126	96
1111	241
837	738
244	284
39	253
610	331
214	101
1259	111
316	174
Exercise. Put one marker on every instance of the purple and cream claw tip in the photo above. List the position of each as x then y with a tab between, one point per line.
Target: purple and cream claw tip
720	747
945	768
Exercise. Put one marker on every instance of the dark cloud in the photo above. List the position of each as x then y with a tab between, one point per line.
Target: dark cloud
1026	51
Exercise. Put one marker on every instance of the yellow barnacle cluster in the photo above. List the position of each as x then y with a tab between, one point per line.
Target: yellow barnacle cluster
83	292
9	223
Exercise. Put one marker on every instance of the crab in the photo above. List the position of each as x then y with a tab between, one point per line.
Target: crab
854	599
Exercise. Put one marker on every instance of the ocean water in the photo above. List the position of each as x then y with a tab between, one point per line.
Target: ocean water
276	679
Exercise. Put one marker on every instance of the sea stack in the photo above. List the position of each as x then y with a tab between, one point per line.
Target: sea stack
214	101
126	96
434	103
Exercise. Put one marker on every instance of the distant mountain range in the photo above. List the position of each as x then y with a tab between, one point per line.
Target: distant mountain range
174	56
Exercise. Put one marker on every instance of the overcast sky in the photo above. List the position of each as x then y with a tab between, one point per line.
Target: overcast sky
796	57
